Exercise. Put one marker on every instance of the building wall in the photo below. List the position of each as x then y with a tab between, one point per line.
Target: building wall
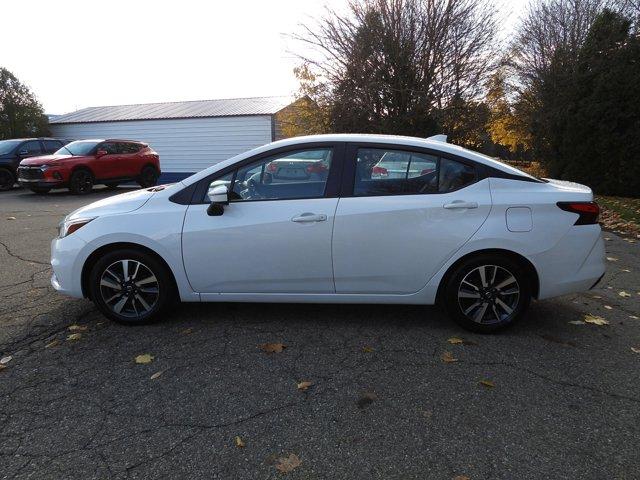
185	146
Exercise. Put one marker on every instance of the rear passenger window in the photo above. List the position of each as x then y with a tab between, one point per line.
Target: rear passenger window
128	148
31	148
398	172
51	146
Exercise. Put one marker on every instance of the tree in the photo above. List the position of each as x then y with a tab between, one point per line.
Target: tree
396	66
20	113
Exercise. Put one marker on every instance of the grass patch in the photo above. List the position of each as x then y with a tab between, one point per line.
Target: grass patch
620	214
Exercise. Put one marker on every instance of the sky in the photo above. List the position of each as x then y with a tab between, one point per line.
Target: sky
80	53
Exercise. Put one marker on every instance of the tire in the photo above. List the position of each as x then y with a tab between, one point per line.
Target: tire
112	185
492	304
148	177
40	190
7	179
138	303
81	182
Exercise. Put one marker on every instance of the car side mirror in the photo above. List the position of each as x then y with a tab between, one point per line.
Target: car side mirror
219	196
101	153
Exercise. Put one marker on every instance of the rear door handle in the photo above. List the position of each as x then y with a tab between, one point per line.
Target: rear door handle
459	204
309	217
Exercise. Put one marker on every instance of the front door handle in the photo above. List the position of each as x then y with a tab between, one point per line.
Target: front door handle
309	217
459	204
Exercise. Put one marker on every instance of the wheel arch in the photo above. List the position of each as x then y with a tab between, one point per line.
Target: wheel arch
532	273
81	166
110	247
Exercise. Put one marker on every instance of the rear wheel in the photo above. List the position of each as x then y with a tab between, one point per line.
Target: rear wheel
487	293
81	182
131	286
148	177
6	179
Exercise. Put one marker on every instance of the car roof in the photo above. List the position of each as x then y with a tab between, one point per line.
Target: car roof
400	141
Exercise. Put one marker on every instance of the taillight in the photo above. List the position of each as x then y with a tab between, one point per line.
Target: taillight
316	168
588	211
271	167
379	171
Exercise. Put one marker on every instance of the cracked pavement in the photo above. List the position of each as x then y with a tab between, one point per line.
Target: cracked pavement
566	400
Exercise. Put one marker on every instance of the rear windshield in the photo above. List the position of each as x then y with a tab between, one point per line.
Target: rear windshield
79	148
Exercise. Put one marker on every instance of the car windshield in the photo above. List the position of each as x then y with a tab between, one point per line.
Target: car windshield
7	146
77	148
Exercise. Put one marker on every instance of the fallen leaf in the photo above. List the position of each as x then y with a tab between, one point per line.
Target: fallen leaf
239	442
366	399
576	322
455	341
11	218
156	375
2	367
144	358
461	477
487	383
74	336
304	385
596	296
635	349
608	307
272	347
612	259
367	349
187	331
447	357
626	270
595	320
287	464
5	360
78	328
624	294
52	344
633	316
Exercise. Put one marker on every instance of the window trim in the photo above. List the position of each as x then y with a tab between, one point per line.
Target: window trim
332	187
350	165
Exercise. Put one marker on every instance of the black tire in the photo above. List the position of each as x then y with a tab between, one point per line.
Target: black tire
40	190
492	304
81	182
137	303
111	185
148	177
7	179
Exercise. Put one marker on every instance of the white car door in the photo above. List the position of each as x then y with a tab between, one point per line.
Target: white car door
392	235
273	237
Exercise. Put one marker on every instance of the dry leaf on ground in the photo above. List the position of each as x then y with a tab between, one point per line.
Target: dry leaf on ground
239	442
461	477
447	357
612	259
74	336
367	349
635	349
608	307
144	358
287	464
595	320
366	399
78	328
455	341
157	374
187	331
633	316
272	347
487	383
5	360
2	367
624	294
11	218
576	322
304	385
52	344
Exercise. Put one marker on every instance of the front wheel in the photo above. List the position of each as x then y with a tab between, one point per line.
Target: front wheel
148	177
487	293
131	286
81	182
6	179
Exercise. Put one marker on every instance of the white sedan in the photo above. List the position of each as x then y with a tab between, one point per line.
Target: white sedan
463	230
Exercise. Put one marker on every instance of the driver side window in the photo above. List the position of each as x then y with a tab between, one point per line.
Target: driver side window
289	175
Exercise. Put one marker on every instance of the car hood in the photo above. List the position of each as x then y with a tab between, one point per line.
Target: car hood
46	160
123	203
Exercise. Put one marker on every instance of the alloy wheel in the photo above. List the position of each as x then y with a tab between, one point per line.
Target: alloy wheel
129	288
489	294
84	182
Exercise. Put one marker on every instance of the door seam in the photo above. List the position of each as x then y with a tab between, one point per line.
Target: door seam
333	229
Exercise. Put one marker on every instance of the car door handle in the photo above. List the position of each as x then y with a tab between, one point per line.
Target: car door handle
460	204
309	217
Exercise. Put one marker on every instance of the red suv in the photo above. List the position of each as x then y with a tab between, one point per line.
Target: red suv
79	165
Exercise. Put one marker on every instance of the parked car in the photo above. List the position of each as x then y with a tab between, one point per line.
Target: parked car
80	165
400	164
473	234
15	150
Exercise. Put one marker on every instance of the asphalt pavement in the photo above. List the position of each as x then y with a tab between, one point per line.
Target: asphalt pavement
547	399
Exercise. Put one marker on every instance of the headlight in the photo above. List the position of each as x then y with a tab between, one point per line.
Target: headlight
67	227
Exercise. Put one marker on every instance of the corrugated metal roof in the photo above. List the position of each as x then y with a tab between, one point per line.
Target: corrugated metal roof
192	109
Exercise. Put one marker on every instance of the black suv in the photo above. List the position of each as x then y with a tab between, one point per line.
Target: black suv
15	150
